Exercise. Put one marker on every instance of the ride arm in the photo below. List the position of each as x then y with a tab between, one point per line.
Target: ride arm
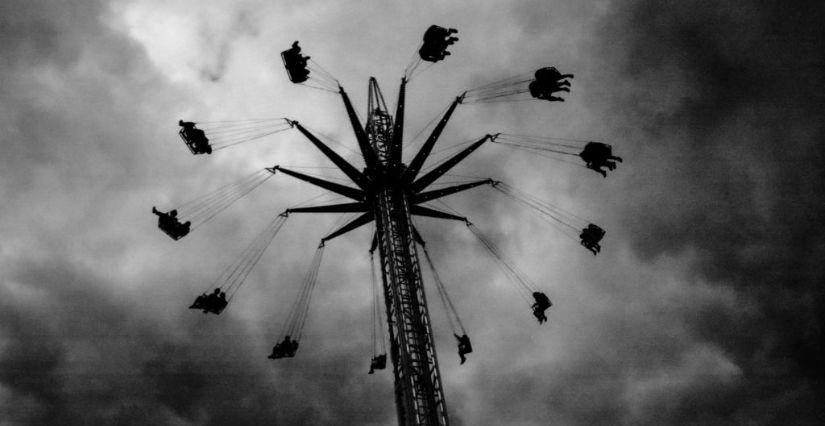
443	192
424	152
355	223
444	167
374	241
332	208
428	212
398	126
417	237
355	194
363	141
339	161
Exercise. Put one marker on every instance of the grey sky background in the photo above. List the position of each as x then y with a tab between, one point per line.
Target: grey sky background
704	307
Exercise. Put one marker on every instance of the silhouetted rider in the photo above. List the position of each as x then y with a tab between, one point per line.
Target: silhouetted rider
464	346
597	155
542	304
378	363
194	137
590	238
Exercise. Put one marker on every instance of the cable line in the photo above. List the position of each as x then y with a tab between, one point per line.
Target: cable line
413	63
378	338
293	328
507	87
311	284
324	77
419	70
537	145
548	139
204	137
194	213
571	218
596	156
318	87
412	145
234	276
456	325
545	84
562	220
379	356
523	284
571	225
227	284
526	289
200	210
537	148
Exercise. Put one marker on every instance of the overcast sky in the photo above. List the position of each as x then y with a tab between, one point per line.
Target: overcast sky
704	307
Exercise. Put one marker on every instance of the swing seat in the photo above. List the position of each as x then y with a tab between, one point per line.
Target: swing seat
210	303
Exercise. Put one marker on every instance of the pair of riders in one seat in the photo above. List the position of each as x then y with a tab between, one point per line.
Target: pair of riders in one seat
378	362
436	41
464	346
590	238
169	223
549	81
214	302
295	63
542	304
194	138
597	155
285	349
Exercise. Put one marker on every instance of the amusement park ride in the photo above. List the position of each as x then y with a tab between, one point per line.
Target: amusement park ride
389	193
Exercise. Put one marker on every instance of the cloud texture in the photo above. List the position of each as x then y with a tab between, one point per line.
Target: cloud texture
705	307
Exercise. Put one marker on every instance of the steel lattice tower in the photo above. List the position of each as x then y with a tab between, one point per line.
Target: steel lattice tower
419	395
390	193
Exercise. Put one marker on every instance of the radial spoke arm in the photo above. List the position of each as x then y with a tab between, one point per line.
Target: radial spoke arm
444	167
374	241
332	208
417	237
339	161
357	222
443	192
428	212
355	194
398	126
363	141
424	152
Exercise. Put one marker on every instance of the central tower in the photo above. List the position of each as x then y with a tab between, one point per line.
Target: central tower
391	193
418	392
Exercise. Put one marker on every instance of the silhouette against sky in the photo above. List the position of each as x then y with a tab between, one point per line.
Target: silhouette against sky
704	306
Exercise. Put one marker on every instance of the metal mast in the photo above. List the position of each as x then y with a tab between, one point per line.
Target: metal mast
418	391
390	192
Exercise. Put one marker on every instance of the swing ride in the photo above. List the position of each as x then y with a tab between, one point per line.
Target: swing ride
389	193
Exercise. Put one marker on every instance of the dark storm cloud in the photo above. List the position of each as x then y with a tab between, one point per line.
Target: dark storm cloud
34	34
73	351
734	158
78	342
721	108
36	31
